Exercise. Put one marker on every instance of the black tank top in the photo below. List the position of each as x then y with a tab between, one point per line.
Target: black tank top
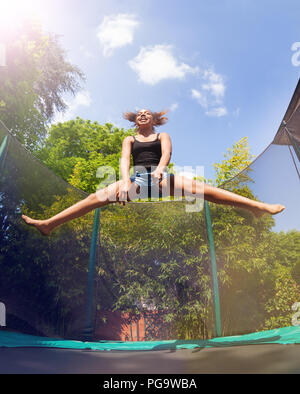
146	154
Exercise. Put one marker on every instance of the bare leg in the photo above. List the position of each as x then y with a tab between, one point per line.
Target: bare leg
186	187
93	201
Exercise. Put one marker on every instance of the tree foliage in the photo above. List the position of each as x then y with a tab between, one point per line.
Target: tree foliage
33	82
76	149
236	159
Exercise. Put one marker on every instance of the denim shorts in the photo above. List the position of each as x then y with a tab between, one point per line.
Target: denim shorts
147	188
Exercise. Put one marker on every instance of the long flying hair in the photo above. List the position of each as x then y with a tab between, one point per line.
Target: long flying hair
158	118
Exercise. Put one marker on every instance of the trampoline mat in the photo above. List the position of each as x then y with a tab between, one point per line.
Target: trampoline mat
256	359
286	335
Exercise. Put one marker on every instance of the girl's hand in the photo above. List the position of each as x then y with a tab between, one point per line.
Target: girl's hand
123	191
157	176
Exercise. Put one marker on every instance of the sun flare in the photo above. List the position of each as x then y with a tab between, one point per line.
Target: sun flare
14	11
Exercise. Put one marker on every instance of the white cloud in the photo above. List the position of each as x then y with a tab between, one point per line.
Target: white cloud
214	84
200	97
82	99
86	52
116	31
236	112
218	112
211	94
173	107
154	64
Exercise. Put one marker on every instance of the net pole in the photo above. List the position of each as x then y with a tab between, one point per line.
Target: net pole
2	147
91	276
214	271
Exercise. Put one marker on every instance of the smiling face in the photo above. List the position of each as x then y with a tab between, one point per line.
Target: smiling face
144	118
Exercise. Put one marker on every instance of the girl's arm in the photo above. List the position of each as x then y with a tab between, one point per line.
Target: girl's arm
125	158
125	168
166	153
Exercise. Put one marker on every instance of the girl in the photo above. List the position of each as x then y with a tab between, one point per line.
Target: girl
151	155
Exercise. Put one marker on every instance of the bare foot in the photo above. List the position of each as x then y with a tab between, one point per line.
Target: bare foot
40	225
272	209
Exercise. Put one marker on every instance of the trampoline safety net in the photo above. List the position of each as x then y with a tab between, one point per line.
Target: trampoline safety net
145	272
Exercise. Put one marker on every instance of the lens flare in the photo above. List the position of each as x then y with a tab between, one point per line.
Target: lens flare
13	12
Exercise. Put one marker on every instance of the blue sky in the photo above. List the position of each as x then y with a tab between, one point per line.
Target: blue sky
223	68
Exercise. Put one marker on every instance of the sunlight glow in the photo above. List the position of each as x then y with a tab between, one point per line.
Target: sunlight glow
12	12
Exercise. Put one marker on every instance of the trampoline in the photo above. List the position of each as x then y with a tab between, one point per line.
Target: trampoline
211	291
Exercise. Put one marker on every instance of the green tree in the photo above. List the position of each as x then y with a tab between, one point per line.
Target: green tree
33	82
236	160
284	259
75	150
